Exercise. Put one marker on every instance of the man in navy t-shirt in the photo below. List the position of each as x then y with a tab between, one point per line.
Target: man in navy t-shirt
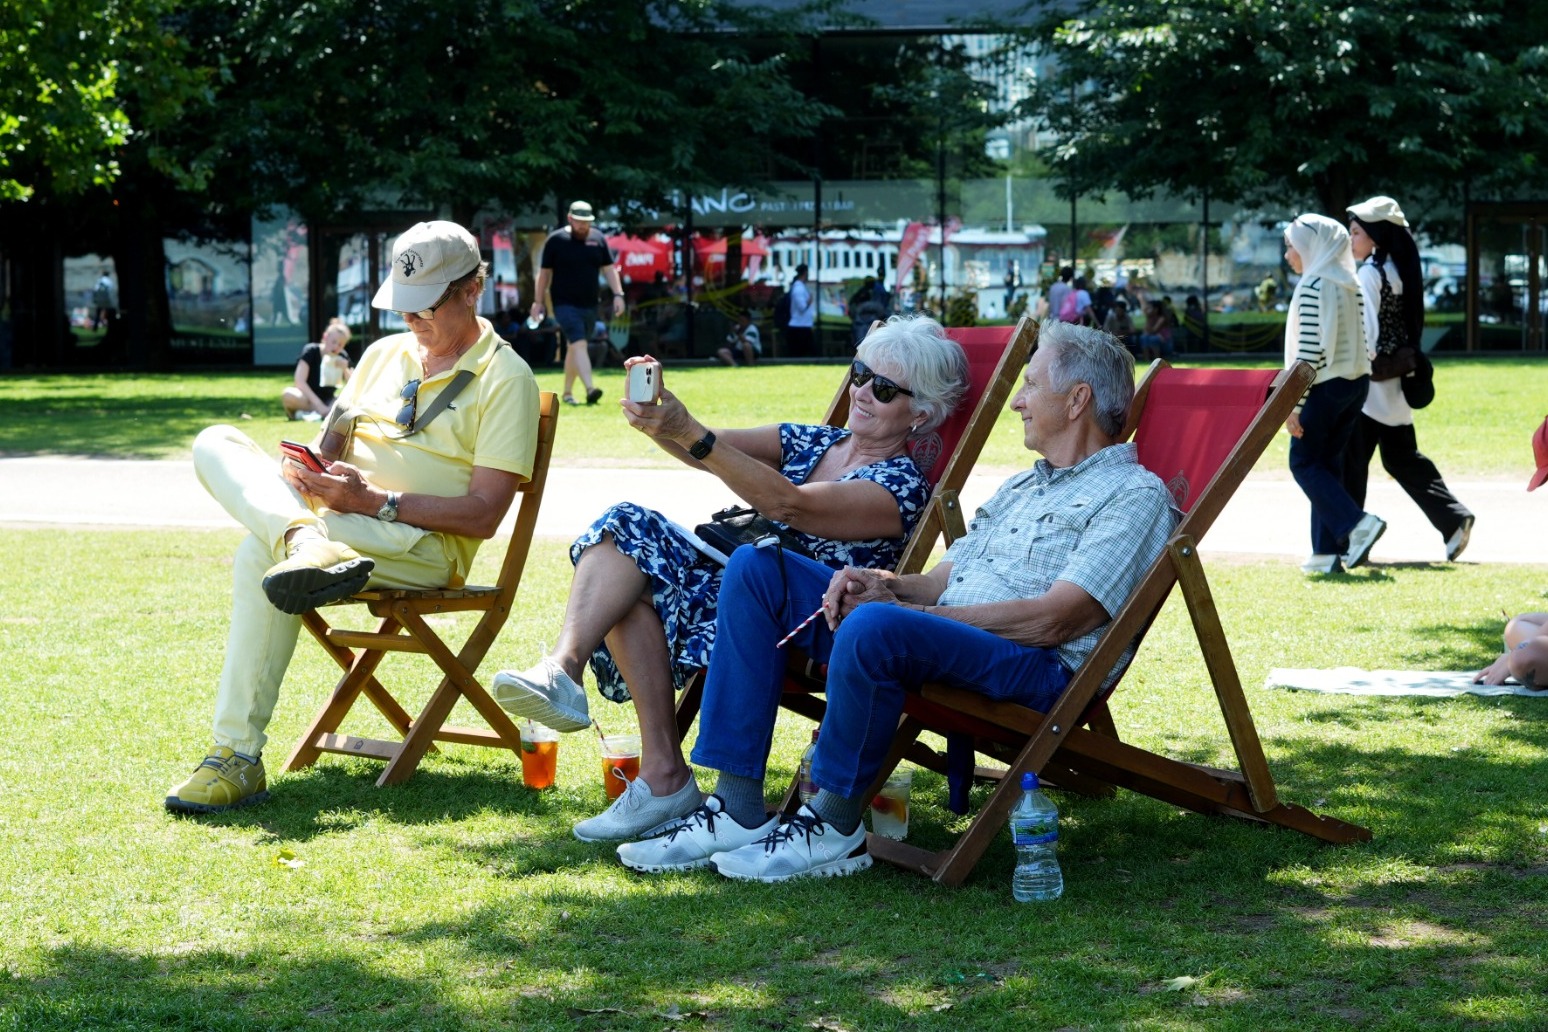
571	260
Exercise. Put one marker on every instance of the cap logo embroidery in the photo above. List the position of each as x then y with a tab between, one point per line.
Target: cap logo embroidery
411	263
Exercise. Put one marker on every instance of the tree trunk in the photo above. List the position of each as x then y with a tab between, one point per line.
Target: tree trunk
145	313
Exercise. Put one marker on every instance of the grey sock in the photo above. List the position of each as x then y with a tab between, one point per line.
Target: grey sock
843	814
743	799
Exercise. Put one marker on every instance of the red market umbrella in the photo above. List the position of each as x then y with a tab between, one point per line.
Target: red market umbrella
712	251
640	258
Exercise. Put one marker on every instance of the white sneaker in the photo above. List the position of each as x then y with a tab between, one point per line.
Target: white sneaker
1364	535
639	814
687	844
1458	540
1321	563
805	846
545	694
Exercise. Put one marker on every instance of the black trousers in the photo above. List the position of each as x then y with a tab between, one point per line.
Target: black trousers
1416	474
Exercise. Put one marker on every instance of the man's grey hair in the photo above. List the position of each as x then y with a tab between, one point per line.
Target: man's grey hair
934	365
1080	354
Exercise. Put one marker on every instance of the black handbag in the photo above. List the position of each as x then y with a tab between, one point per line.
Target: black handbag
735	526
1389	365
1419	385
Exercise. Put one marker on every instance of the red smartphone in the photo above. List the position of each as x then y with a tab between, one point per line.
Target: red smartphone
303	455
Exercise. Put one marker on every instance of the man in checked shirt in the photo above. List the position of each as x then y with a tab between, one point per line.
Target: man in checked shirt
1012	611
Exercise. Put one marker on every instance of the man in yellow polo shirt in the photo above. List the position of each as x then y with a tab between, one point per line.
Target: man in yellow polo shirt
444	421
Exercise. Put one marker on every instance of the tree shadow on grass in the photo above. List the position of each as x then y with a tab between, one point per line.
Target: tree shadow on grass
104	426
192	986
331	797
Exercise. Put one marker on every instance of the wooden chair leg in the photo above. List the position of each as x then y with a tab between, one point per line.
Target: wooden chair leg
688	704
1222	673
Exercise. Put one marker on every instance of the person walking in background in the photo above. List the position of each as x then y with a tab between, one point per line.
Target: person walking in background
571	259
1393	283
320	371
1325	328
102	306
800	336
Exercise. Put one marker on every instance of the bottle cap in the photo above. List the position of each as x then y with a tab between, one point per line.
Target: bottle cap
1028	780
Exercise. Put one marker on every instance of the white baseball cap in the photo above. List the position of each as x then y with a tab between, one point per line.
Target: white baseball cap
1379	209
425	261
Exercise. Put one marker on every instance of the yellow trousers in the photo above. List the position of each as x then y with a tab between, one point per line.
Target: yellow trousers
247	483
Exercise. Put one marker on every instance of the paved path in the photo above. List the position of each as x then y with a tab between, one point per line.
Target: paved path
1267	517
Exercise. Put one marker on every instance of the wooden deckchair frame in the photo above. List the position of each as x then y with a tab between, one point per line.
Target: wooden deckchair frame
403	627
1075	744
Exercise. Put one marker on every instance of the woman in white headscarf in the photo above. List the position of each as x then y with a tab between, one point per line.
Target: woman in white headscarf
1392	278
1326	328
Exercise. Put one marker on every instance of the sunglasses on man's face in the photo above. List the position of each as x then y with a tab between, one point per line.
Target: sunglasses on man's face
429	313
410	409
883	389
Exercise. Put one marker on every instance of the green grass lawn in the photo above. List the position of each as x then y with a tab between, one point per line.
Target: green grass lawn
460	900
1480	424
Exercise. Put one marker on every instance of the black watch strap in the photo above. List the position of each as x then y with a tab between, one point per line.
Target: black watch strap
703	446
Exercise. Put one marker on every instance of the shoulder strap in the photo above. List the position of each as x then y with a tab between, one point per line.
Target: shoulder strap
443	400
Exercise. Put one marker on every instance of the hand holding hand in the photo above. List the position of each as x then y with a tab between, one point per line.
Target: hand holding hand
852	587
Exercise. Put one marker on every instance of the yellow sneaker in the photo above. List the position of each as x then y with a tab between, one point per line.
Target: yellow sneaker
318	571
224	781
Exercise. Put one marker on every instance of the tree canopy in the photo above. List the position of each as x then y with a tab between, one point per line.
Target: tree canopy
339	104
71	71
1284	102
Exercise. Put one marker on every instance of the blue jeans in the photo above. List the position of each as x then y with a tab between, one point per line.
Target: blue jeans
879	652
1328	419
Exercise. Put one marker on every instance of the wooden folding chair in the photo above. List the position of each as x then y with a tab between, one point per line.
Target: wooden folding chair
1200	431
403	628
996	356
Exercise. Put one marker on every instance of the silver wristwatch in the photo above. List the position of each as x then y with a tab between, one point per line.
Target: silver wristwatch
388	513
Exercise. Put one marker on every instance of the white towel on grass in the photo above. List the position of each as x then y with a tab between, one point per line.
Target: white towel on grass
1354	681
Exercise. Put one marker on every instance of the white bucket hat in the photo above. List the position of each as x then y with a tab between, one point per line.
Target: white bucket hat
1379	209
425	261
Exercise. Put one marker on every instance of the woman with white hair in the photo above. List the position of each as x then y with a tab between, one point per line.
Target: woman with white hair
1325	327
642	605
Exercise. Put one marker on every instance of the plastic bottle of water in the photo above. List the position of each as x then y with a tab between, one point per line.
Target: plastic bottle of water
806	788
1035	831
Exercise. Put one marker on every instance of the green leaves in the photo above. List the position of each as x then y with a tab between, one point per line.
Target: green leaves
1306	104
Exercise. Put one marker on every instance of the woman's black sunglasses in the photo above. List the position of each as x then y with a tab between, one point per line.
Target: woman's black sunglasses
882	388
410	409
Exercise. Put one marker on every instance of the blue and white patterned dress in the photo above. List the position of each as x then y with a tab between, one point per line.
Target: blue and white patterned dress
685	583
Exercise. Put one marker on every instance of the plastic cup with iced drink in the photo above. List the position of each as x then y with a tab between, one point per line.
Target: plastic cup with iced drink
889	810
620	762
539	754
